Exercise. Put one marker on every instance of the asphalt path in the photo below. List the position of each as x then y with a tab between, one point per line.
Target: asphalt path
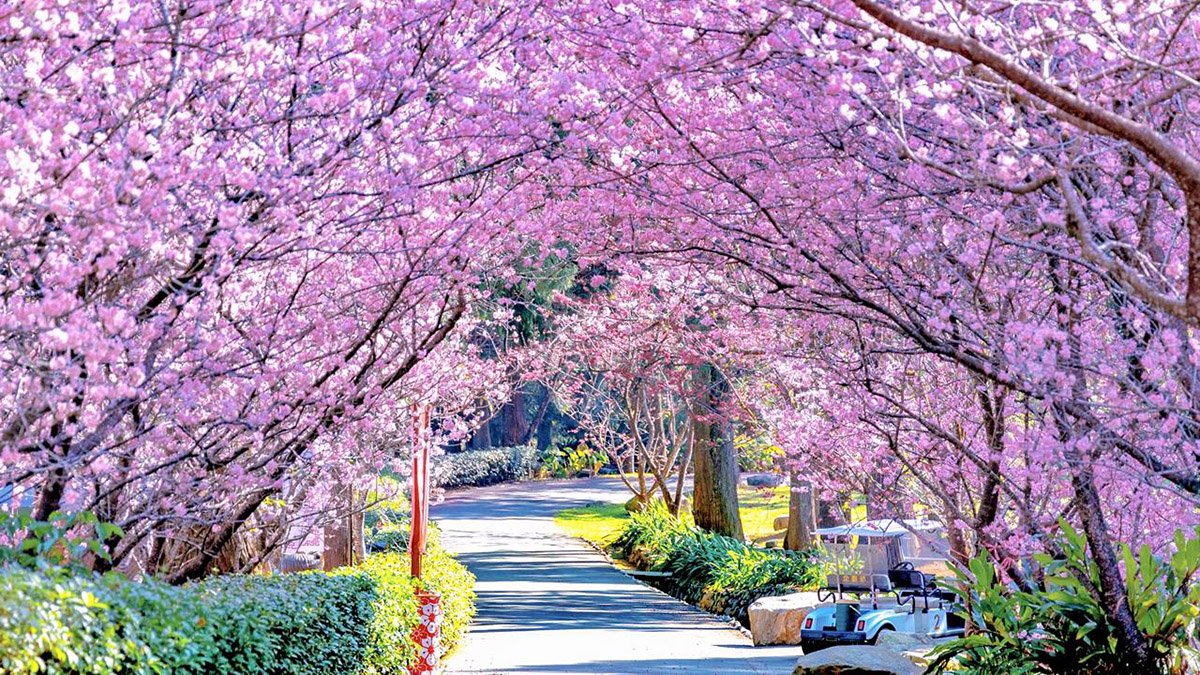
549	603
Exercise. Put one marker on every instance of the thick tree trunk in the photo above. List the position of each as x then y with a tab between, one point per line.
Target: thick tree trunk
802	516
344	543
1113	596
543	402
1132	645
545	428
714	498
514	423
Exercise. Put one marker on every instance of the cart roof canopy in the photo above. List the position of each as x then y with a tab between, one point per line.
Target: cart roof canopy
880	528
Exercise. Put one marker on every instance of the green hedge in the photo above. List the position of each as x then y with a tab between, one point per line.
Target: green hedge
355	621
484	467
718	573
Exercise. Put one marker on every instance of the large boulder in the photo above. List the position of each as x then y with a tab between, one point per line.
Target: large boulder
776	620
904	642
855	660
781	523
912	646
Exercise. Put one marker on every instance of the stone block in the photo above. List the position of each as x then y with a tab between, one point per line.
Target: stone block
776	620
855	660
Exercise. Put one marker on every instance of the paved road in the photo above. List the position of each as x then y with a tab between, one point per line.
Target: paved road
548	603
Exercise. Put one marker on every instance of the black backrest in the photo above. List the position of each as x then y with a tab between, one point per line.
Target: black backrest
904	579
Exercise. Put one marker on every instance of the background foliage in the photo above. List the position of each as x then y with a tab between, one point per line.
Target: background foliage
484	467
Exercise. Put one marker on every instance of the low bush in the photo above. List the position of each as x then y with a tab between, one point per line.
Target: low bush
484	467
749	573
355	620
718	573
650	536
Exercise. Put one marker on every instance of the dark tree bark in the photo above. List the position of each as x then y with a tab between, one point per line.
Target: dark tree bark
542	402
545	427
482	438
714	498
514	423
1132	645
802	517
344	542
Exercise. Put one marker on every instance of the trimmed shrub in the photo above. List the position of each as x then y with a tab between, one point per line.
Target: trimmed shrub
484	467
355	621
718	573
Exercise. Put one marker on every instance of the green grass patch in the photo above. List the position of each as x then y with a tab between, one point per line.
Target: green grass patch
601	523
760	507
597	523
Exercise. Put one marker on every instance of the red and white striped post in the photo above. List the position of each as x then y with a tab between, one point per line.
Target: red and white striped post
420	486
428	632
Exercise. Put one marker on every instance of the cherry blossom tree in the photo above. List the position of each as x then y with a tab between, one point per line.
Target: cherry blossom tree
232	233
991	202
623	361
959	242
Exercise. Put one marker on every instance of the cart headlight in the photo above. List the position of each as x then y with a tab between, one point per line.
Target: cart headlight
808	623
862	625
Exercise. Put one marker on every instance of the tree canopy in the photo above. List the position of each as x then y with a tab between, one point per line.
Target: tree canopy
952	251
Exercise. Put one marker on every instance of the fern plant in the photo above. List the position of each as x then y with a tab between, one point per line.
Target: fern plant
1061	627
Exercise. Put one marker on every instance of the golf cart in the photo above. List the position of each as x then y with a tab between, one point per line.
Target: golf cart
885	578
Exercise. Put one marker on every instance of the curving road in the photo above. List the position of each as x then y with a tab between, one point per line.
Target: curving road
549	603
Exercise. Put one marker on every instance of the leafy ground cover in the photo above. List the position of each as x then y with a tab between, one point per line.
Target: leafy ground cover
719	574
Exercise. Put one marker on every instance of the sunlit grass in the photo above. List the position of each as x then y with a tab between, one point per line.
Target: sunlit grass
760	507
597	523
601	523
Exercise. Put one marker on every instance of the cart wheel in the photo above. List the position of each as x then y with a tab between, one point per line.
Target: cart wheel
885	629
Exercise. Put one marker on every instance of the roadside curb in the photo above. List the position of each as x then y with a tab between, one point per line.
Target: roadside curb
730	621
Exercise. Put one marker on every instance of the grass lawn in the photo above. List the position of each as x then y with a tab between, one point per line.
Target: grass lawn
601	523
760	507
597	523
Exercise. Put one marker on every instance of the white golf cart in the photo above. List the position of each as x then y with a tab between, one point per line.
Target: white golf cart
884	578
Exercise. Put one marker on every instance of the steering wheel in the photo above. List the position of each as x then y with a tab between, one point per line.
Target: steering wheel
904	565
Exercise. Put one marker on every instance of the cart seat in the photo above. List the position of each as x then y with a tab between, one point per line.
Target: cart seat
910	580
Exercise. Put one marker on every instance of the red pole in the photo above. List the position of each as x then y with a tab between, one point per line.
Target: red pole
420	487
428	631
